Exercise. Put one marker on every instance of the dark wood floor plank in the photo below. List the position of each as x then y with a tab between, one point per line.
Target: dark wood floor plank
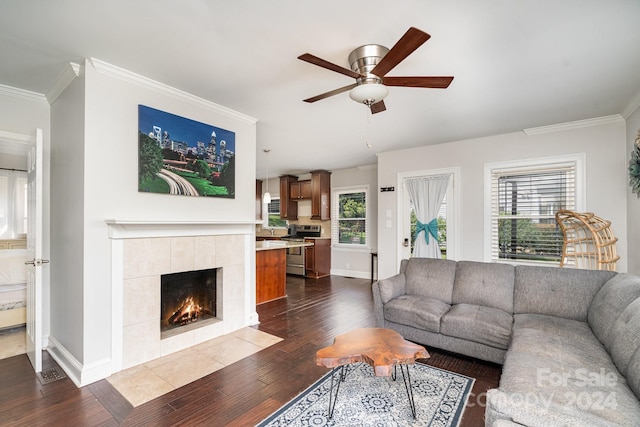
242	394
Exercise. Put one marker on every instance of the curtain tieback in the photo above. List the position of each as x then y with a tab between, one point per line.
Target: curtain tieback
430	228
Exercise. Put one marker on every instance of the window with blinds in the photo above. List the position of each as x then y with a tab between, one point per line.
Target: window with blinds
349	217
524	201
273	214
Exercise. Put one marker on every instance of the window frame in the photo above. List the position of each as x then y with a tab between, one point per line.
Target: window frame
265	219
578	160
335	210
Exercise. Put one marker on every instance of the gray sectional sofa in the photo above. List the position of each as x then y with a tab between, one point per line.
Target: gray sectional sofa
568	339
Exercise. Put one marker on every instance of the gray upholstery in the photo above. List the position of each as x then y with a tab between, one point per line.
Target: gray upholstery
430	278
561	292
609	304
486	284
626	336
569	339
417	311
485	325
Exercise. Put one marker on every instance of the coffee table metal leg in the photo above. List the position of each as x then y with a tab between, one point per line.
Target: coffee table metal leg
407	386
332	398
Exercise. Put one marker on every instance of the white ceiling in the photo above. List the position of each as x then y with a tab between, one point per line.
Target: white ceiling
517	64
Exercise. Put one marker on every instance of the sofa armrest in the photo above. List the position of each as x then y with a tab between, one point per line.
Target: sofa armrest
384	291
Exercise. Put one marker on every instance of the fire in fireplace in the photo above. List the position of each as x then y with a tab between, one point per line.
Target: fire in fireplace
187	297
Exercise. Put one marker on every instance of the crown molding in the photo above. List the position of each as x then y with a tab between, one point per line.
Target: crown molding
616	118
633	105
23	94
71	71
14	143
163	89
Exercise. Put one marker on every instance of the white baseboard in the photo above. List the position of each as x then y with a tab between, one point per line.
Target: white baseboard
80	374
351	273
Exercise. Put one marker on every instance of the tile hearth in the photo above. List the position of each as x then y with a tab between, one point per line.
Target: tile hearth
152	379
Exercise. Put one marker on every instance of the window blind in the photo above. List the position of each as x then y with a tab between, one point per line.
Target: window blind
524	203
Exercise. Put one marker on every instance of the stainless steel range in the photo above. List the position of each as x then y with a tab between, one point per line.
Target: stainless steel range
296	256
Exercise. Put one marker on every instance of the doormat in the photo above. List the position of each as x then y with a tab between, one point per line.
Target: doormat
366	400
50	375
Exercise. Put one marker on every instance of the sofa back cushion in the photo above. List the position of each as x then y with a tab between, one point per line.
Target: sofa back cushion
430	277
560	292
609	304
482	283
625	340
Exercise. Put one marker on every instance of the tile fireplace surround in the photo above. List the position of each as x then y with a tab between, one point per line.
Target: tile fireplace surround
142	251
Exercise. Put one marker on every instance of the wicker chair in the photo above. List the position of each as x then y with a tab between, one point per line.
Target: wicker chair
589	242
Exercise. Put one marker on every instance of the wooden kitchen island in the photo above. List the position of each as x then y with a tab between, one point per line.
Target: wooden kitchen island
271	268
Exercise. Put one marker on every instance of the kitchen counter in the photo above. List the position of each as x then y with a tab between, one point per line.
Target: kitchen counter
271	268
279	244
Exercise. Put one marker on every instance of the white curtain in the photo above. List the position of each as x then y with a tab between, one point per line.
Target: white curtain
13	204
427	194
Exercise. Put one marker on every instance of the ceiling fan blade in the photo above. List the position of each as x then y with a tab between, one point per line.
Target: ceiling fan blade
432	82
331	93
307	57
378	107
410	41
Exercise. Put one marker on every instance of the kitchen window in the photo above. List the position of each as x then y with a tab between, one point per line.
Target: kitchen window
349	224
273	219
523	198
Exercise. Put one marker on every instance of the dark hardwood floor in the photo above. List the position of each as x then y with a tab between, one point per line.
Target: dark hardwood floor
241	394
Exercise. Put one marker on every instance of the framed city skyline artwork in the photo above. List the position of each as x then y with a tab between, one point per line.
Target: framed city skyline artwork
180	156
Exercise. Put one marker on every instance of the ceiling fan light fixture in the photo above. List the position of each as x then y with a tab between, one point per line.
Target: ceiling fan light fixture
369	93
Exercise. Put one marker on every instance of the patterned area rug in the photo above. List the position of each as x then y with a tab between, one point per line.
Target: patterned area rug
365	400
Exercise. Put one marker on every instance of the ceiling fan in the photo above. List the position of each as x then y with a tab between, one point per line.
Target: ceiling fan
369	66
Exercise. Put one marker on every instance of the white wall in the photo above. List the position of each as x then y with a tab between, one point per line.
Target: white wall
97	127
357	262
604	144
633	200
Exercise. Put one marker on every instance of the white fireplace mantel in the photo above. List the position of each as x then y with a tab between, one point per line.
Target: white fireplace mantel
133	229
238	294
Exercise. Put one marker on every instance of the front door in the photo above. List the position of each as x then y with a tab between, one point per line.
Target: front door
34	252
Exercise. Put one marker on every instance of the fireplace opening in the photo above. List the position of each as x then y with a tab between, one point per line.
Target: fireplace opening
187	297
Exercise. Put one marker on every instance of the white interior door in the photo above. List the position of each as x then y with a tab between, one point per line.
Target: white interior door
34	252
452	212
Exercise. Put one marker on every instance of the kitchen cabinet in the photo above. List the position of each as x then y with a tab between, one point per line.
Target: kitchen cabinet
301	190
258	199
321	195
318	258
271	275
288	206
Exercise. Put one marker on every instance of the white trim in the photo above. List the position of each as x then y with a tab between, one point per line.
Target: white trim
14	143
23	94
633	105
163	89
71	71
580	160
453	232
335	191
597	121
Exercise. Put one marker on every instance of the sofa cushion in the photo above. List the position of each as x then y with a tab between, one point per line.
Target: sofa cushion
484	325
560	292
609	303
560	363
625	336
417	311
486	284
633	373
430	278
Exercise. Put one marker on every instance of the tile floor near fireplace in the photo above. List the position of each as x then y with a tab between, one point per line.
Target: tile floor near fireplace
145	382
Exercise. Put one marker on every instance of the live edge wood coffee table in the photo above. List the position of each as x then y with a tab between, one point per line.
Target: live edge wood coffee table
383	349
